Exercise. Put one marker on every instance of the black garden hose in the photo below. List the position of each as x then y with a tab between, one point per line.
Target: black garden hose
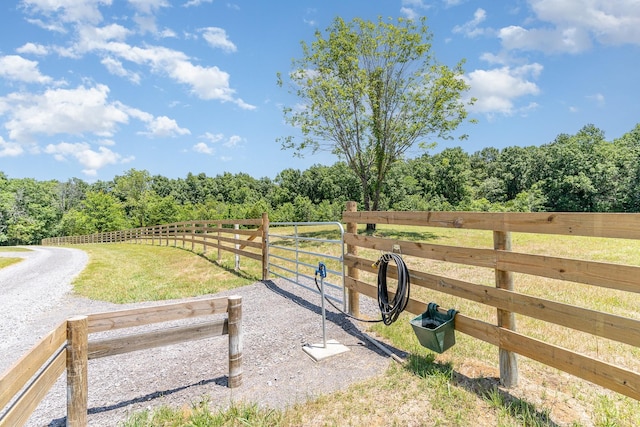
388	310
391	310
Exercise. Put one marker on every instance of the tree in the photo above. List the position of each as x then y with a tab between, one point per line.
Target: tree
132	189
370	92
103	212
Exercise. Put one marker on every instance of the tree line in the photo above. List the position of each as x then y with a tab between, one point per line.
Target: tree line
574	173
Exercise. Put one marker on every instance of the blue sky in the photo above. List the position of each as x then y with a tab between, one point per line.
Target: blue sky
93	88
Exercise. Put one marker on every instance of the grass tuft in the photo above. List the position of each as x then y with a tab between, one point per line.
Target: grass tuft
201	415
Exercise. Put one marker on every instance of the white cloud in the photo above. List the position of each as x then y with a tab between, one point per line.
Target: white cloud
90	159
213	137
233	141
497	90
68	10
470	28
209	83
164	127
191	3
10	149
167	34
575	24
14	67
62	111
203	148
568	40
33	49
116	68
217	38
598	98
412	8
148	6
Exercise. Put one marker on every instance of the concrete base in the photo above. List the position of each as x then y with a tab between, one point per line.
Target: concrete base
318	352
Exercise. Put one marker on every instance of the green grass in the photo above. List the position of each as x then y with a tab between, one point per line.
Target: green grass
124	273
201	415
459	387
5	262
13	249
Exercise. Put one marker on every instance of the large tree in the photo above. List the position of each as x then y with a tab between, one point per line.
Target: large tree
370	91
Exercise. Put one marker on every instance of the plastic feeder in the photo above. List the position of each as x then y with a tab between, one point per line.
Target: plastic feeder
435	330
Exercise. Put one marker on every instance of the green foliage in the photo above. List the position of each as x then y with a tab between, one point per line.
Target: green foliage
372	90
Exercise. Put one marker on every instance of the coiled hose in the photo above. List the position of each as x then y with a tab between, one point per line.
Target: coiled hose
389	311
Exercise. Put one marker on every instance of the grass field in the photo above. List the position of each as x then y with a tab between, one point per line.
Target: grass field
7	261
458	387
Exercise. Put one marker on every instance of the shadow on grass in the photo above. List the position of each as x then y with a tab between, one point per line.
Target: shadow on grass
395	234
487	388
412	236
221	381
231	270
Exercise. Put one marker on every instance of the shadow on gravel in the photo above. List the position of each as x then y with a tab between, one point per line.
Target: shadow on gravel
338	318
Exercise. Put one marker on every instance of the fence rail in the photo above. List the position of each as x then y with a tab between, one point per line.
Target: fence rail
25	384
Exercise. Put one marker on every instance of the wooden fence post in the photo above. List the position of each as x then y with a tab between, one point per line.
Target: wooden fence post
219	250
77	362
235	341
205	230
506	319
265	246
353	296
237	246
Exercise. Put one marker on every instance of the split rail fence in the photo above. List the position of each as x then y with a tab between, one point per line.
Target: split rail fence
219	235
502	295
68	347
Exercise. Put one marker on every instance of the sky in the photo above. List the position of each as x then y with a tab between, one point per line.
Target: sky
93	88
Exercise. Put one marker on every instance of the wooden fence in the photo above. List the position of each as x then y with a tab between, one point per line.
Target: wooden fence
25	384
220	235
503	296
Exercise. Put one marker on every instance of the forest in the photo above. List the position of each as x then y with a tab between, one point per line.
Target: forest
573	173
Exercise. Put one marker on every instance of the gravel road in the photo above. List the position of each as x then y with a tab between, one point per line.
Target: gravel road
30	290
279	318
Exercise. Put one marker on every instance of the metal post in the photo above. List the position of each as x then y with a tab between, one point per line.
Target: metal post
322	271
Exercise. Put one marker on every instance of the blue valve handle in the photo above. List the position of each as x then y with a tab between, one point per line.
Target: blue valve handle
322	270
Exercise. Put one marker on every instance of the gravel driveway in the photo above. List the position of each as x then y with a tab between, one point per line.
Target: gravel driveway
279	318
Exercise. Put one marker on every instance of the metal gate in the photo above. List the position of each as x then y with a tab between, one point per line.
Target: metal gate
292	257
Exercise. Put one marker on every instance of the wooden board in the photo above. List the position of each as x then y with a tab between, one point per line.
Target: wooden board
615	225
22	409
166	336
17	376
160	313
